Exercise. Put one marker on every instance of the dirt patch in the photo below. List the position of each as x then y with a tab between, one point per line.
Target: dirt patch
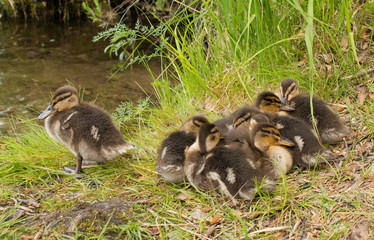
85	217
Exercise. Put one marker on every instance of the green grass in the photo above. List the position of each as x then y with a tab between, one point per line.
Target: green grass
220	59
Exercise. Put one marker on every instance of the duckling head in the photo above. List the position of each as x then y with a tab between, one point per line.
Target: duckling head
268	102
208	138
193	124
266	135
288	90
64	98
258	118
244	116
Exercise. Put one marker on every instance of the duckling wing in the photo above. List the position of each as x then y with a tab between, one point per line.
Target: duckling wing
171	155
306	142
94	132
228	168
224	125
328	123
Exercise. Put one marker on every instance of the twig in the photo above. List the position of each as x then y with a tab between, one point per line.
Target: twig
335	221
360	74
251	227
252	234
15	201
338	105
25	209
38	235
209	232
183	216
357	182
195	234
295	227
30	202
76	220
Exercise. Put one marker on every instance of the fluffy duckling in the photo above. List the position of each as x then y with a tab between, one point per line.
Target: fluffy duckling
171	156
242	133
86	130
230	168
267	139
212	166
328	124
308	151
241	116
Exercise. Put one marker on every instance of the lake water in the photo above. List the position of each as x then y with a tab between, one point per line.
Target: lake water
36	59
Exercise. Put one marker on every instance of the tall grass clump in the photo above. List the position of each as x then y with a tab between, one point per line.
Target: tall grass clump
7	222
225	51
29	159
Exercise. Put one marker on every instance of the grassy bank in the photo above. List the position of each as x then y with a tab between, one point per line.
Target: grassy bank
216	58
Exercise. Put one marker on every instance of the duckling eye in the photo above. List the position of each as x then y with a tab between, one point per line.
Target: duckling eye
62	98
212	138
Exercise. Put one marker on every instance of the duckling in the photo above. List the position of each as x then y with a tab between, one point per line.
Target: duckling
308	151
234	120
211	166
86	130
171	156
242	132
207	139
231	169
328	124
267	139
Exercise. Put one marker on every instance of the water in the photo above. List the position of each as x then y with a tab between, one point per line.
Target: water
36	59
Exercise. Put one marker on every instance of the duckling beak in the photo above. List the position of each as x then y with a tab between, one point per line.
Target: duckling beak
286	107
46	112
286	142
283	100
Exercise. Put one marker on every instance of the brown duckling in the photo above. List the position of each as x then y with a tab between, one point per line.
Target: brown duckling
232	169
86	130
267	139
328	124
308	151
242	133
171	155
241	116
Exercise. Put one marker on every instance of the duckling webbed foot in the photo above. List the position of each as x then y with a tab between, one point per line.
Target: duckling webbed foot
69	170
75	170
72	170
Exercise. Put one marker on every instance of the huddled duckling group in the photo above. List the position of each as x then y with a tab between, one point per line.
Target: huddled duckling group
254	146
236	155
